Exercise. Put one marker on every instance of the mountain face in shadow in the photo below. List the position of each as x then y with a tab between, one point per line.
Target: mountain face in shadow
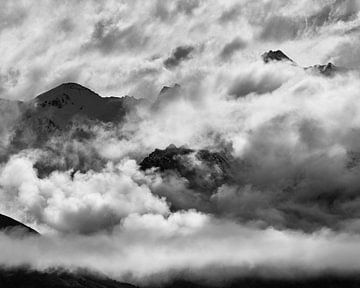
204	170
65	105
64	115
10	225
277	55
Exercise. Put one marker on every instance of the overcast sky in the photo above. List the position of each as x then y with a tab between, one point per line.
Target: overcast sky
136	47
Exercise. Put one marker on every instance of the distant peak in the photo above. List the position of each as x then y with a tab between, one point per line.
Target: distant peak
171	146
327	69
277	55
67	90
72	85
166	88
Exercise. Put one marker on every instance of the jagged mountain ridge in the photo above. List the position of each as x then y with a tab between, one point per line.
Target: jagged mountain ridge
204	170
274	56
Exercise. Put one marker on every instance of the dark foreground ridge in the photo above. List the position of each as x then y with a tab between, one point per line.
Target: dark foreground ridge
331	281
8	224
24	278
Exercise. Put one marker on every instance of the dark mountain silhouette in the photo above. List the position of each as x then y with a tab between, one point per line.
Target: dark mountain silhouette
277	55
8	224
26	278
323	281
209	170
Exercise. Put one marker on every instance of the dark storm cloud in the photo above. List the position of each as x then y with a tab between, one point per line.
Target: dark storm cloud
262	83
108	38
188	6
280	28
230	14
12	15
180	54
161	10
9	77
168	12
230	49
339	10
66	25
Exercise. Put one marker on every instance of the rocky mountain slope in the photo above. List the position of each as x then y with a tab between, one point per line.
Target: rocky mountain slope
69	103
204	170
273	56
8	224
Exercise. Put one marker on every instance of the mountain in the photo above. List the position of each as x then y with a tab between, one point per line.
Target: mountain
64	105
169	88
26	278
327	69
276	56
8	224
323	281
167	95
204	170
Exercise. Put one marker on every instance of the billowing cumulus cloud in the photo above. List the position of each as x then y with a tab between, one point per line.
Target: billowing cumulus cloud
85	203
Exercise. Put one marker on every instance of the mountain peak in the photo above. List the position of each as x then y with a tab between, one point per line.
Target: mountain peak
66	91
277	55
169	88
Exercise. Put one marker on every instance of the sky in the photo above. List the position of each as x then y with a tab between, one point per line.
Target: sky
135	48
292	206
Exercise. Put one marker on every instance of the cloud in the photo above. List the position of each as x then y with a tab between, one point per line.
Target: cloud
230	49
280	28
188	6
231	14
190	244
180	54
84	203
259	81
108	38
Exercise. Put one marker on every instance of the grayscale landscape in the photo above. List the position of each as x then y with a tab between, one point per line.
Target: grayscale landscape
179	143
